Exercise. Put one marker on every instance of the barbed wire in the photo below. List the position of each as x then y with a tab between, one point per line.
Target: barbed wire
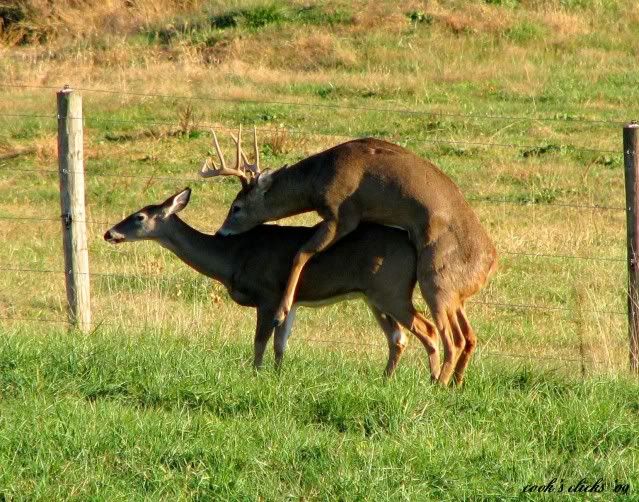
536	357
503	252
473	198
145	177
141	276
354	345
273	130
401	111
487	200
527	150
565	256
543	308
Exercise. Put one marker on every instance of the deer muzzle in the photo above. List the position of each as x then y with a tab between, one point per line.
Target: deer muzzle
113	237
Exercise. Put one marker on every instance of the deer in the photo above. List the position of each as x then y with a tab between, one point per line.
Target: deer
376	263
371	180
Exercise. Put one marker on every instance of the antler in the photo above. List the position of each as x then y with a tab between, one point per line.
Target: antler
254	169
209	168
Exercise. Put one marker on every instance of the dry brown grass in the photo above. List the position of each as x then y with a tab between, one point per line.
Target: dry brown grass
359	56
564	24
473	18
77	19
392	18
322	50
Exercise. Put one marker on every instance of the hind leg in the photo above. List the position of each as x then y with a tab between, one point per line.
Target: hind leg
459	338
394	336
444	330
469	347
426	332
401	310
263	332
437	302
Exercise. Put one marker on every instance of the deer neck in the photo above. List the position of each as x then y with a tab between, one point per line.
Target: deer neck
208	254
290	193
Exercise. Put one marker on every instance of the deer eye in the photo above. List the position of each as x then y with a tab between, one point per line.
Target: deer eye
235	209
140	217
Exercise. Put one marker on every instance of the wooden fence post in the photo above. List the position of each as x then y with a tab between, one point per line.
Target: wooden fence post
631	163
74	233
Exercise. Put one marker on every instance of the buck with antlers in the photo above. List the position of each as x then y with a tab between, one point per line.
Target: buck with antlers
375	181
375	262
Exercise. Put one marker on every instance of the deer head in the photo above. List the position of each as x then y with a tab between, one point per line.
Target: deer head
147	223
255	183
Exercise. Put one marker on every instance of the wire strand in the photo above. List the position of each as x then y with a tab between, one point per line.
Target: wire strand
527	147
518	306
402	111
355	345
503	252
148	178
541	308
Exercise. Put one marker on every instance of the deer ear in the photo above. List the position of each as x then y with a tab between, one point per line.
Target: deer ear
264	180
176	203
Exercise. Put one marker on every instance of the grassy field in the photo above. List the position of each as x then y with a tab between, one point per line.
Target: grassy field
123	415
521	102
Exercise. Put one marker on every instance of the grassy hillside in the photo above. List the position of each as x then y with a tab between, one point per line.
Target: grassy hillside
520	102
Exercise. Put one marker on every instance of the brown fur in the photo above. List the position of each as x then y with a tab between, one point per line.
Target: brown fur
372	180
375	262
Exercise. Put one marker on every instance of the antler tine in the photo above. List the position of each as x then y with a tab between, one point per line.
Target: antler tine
244	157
218	149
257	152
253	169
247	167
209	169
238	158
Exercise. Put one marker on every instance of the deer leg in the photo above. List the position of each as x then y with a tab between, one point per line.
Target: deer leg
439	300
263	332
459	339
394	336
282	334
436	301
326	233
469	348
444	330
424	330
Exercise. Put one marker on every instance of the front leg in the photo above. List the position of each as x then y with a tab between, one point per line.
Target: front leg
326	233
263	332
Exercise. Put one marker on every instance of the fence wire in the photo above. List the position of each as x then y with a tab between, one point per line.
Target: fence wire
333	106
524	148
148	178
495	304
349	346
301	132
105	224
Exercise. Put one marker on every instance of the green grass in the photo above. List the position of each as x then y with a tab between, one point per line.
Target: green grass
122	415
161	402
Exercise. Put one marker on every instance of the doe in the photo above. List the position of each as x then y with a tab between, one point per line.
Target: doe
374	262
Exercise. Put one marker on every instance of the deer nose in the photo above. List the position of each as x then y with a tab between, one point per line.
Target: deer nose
107	235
